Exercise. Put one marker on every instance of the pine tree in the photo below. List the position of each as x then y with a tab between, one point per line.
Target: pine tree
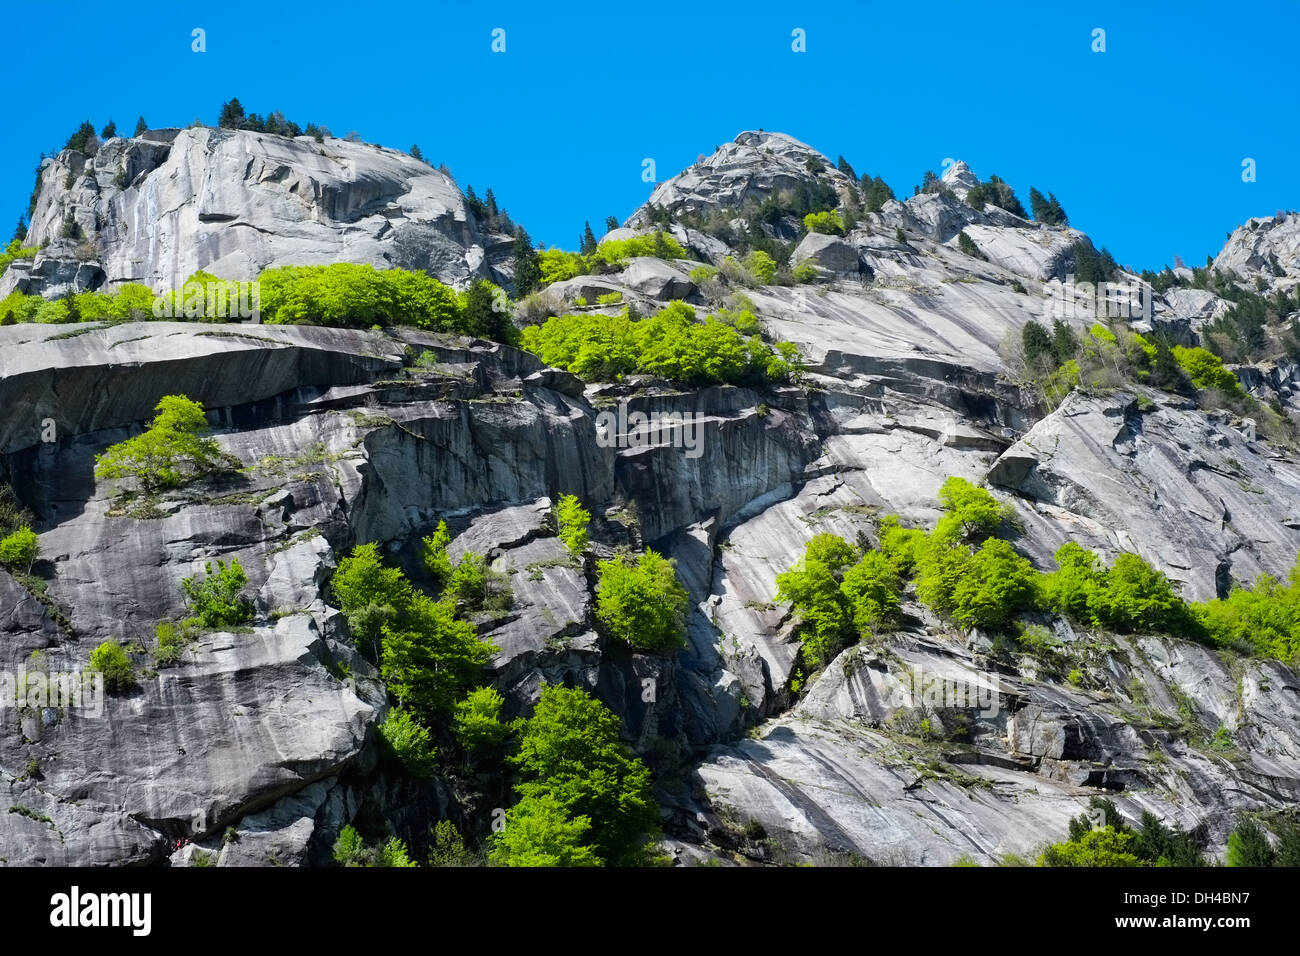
74	314
661	250
1040	206
1064	343
141	126
844	166
1247	846
1059	218
20	233
1038	346
232	115
528	274
611	223
83	139
1047	209
415	152
490	202
109	131
588	240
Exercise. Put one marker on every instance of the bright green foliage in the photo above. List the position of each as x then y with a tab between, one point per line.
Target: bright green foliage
902	546
429	656
1102	334
1151	844
539	832
812	587
1206	369
173	639
370	594
557	265
203	297
18	551
972	513
407	742
642	603
1137	597
350	849
434	555
570	750
347	294
477	720
393	853
828	223
760	266
475	586
215	600
609	298
130	301
976	589
447	847
1247	846
1073	590
15	250
616	252
805	272
831	550
111	660
873	589
169	453
840	593
1103	847
702	274
671	344
572	519
1265	618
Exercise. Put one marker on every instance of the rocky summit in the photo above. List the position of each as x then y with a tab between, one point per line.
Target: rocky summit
911	328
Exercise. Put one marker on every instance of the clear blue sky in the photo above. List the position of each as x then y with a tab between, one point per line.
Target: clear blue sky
1142	144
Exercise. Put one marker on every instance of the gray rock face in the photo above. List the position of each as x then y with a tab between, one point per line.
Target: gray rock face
237	202
1190	494
753	167
1263	246
1008	762
829	253
344	439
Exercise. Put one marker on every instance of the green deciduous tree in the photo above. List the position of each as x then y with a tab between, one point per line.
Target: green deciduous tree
642	603
111	660
19	550
434	555
971	512
169	453
405	740
570	751
572	520
539	832
429	656
1103	847
215	600
477	720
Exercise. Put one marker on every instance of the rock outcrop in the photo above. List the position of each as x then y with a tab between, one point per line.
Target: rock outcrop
159	207
346	436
